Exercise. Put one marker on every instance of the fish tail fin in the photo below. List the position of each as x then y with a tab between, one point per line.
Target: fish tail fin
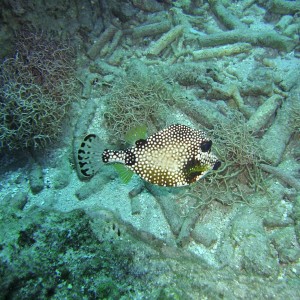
89	156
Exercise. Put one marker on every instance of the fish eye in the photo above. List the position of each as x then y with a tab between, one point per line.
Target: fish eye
205	146
217	165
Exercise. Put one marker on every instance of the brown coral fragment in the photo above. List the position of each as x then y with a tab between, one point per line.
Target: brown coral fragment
282	175
150	29
263	38
158	46
263	114
106	36
225	16
217	52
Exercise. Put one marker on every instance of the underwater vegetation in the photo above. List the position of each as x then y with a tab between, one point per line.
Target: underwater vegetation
239	150
142	97
97	273
226	68
239	176
240	173
36	86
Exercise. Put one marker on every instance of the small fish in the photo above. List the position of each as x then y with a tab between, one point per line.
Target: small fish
175	156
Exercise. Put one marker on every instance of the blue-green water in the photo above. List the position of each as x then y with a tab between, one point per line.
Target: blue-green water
72	68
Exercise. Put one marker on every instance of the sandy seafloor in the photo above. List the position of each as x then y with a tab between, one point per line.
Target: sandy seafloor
233	70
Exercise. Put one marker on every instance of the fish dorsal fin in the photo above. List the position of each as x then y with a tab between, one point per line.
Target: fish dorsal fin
124	173
136	133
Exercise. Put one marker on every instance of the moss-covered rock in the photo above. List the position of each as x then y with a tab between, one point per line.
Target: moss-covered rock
52	254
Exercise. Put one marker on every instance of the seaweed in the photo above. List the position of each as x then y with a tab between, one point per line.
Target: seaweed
36	86
240	172
138	100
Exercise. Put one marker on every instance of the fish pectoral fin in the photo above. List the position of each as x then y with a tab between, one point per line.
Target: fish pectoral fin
195	169
124	173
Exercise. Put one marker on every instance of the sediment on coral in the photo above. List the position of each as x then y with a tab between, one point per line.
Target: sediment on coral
150	29
106	36
263	114
243	219
241	31
282	175
203	112
225	16
221	51
158	46
263	38
280	131
281	7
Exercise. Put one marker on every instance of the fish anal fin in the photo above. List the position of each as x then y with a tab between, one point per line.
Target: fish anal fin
124	173
195	169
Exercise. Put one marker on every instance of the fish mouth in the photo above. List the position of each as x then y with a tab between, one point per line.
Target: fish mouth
217	165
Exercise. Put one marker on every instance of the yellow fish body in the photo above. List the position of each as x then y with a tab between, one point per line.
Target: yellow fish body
175	156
